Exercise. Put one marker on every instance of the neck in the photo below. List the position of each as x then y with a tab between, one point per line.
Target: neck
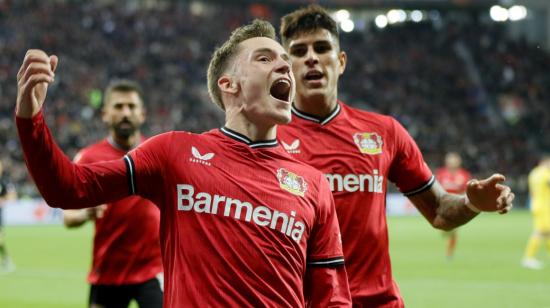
317	105
127	143
252	131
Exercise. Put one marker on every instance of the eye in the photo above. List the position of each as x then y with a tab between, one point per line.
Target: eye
298	51
264	59
322	48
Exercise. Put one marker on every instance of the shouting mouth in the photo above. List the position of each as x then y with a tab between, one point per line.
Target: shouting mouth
280	89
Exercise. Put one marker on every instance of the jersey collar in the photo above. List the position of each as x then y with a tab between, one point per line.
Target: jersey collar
242	138
115	145
316	119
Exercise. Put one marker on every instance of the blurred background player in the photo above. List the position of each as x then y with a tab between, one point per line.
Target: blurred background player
359	152
454	179
126	253
7	193
539	193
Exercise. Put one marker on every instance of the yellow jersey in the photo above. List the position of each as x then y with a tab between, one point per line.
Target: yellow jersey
539	188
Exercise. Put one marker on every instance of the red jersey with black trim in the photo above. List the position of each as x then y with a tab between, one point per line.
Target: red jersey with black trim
243	224
126	241
453	181
359	152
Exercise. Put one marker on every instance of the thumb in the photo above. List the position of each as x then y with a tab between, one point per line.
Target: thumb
493	180
53	62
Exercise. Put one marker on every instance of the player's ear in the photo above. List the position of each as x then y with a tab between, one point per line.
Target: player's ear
228	85
343	59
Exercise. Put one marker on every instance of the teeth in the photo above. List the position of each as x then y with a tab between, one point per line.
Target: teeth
283	81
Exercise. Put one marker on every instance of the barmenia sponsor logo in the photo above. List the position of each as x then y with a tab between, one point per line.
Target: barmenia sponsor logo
206	203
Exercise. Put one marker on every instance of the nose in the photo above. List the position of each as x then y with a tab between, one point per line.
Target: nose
126	111
311	57
283	66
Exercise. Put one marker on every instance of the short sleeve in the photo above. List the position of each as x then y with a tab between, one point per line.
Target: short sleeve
408	170
325	243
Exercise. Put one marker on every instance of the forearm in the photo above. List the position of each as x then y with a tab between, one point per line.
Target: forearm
452	212
62	183
327	287
443	210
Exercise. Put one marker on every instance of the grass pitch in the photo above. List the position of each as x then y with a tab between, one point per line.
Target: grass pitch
52	265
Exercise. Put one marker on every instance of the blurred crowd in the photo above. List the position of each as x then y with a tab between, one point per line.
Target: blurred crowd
461	87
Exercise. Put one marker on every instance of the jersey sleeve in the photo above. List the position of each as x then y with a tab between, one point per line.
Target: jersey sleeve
62	183
145	166
325	243
408	170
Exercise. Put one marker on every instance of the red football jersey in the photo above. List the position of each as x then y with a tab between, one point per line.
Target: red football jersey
359	152
453	182
126	241
240	220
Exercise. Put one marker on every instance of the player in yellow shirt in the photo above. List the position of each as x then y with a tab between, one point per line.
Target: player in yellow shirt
539	191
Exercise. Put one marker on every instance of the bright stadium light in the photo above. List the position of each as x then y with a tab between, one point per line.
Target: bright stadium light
395	16
347	25
417	16
381	21
498	13
517	12
341	15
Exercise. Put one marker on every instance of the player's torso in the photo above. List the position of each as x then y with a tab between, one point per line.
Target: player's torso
539	188
355	156
126	240
250	209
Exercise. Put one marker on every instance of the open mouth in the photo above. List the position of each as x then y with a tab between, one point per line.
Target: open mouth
280	89
314	75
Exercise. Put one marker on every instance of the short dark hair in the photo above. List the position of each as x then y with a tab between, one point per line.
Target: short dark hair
224	54
122	85
306	20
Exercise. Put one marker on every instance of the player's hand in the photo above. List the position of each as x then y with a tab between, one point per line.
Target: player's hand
96	212
489	195
33	78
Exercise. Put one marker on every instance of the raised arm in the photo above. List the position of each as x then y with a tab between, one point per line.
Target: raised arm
61	183
447	211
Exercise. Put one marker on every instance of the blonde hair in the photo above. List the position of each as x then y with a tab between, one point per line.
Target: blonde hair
223	55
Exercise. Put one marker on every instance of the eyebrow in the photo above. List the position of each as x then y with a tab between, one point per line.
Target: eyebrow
271	51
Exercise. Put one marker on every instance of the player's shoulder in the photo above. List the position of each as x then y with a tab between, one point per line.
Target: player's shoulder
358	116
92	150
311	174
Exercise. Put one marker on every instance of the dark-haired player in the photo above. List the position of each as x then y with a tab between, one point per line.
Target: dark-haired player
126	260
359	152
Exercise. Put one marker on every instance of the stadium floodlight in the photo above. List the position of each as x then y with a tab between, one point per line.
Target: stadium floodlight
381	21
417	16
517	12
341	15
347	25
395	16
498	13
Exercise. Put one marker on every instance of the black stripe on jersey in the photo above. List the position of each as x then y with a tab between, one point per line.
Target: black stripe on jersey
330	262
242	138
131	174
422	188
313	118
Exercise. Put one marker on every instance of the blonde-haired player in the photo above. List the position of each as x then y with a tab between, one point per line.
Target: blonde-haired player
539	192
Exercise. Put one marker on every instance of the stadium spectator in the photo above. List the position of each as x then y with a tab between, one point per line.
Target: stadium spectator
454	179
539	192
277	241
359	152
127	262
7	193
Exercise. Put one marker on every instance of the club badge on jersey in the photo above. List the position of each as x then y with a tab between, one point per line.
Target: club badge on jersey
368	143
291	182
